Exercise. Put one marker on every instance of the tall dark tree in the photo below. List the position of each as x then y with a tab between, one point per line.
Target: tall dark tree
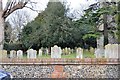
118	22
51	27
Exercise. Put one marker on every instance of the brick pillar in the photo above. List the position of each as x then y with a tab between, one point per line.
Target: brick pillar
58	72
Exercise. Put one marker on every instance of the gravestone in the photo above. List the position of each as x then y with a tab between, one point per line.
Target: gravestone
69	51
119	51
112	51
66	51
107	50
72	50
63	51
46	51
31	53
40	52
13	54
3	54
99	52
19	54
56	52
115	51
79	53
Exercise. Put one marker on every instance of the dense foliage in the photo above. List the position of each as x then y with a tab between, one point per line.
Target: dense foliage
53	27
118	19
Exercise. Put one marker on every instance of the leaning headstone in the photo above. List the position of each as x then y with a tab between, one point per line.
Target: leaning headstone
19	54
31	53
13	54
3	54
79	53
56	52
40	52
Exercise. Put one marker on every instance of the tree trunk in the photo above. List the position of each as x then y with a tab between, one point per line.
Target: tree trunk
1	30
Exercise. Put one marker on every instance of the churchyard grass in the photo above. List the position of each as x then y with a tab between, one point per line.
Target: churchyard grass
73	55
86	54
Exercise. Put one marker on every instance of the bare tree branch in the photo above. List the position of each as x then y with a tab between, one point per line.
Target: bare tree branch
11	9
32	9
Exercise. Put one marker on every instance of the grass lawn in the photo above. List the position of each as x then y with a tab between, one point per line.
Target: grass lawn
86	54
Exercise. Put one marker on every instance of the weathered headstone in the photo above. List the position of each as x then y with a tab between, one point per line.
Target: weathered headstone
119	51
69	51
31	53
3	54
72	50
66	51
19	54
112	51
56	52
13	54
99	52
46	51
107	50
63	51
79	53
115	51
40	52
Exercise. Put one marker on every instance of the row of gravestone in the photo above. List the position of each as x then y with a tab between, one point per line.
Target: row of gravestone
56	52
110	51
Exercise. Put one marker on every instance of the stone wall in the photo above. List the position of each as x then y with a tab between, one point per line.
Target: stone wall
62	71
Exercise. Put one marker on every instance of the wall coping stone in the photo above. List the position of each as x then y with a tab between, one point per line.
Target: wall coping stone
61	61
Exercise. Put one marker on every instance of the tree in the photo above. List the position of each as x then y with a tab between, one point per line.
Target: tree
118	22
8	32
11	6
51	27
18	20
87	24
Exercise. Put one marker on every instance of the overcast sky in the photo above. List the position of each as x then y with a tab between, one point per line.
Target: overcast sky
74	5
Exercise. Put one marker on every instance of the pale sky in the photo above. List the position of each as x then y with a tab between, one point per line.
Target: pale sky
74	5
